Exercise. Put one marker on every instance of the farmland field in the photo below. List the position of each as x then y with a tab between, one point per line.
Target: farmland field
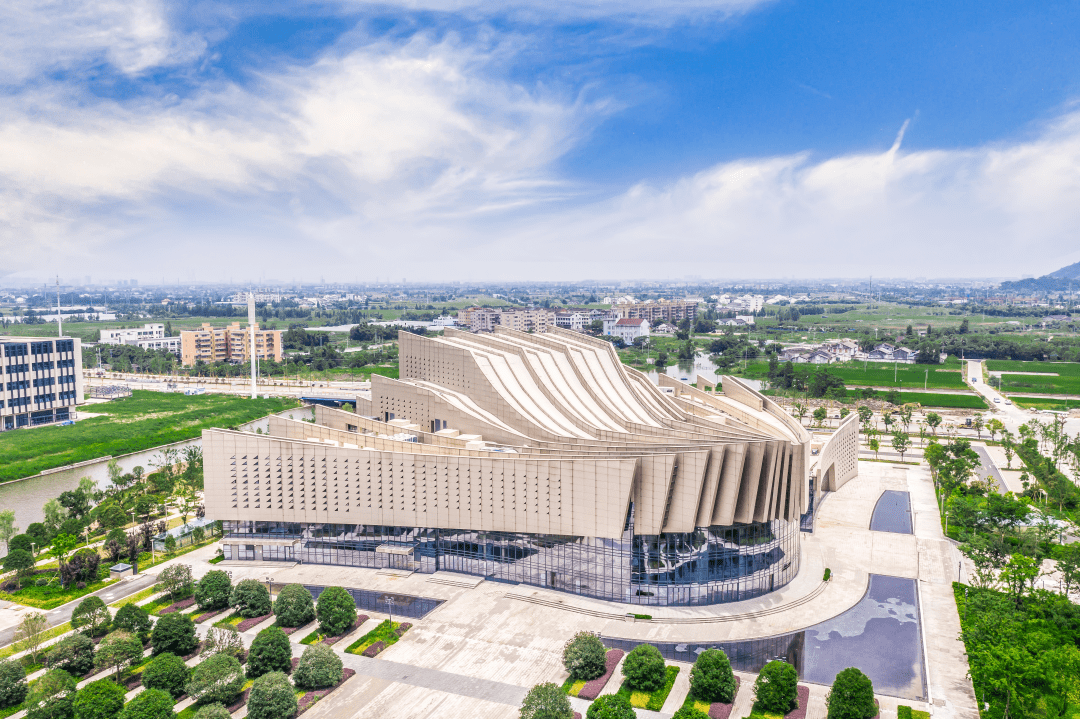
144	420
1064	369
881	375
1039	384
1046	403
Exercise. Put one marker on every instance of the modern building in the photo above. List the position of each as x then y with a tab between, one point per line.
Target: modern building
41	380
228	344
655	312
626	329
148	337
485	319
531	458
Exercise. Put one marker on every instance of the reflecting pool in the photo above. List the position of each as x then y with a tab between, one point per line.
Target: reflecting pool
892	513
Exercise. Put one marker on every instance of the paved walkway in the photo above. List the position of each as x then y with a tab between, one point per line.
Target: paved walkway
987	468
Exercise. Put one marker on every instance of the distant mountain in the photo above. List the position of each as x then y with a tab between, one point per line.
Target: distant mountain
1058	281
1072	272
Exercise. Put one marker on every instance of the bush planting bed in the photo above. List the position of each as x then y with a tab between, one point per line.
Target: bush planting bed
385	633
591	689
359	620
207	616
653	701
310	698
177	606
247	624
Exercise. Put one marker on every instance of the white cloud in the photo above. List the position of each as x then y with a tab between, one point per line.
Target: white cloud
56	35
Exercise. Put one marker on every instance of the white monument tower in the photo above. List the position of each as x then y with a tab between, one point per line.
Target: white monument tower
251	326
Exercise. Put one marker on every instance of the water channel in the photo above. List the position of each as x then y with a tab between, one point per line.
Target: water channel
881	636
27	496
689	371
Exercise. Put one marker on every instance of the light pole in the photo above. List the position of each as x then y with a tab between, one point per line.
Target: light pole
270	581
390	609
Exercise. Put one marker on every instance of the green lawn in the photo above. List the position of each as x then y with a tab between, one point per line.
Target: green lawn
51	596
232	621
879	374
142	421
137	597
1046	403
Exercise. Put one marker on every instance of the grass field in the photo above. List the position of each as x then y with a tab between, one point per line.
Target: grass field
1046	403
878	374
142	421
1064	369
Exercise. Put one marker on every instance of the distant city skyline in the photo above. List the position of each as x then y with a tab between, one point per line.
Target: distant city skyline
218	141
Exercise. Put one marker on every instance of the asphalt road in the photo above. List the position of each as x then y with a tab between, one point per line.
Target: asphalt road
988	468
109	594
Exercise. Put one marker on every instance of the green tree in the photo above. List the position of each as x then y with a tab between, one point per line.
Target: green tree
62	544
820	414
1019	576
776	687
319	667
584	656
644	668
19	561
150	704
54	515
133	619
851	696
335	610
212	711
91	617
13	686
174	633
166	672
933	419
117	651
51	696
611	706
294	606
250	598
1069	566
546	701
176	580
901	443
101	699
271	697
711	678
213	590
270	652
217	679
30	633
74	654
223	640
8	528
874	447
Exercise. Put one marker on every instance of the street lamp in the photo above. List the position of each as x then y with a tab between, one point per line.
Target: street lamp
270	581
390	609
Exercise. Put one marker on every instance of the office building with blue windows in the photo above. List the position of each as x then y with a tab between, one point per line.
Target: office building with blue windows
533	458
40	380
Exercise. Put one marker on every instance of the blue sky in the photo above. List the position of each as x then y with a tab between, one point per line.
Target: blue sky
606	140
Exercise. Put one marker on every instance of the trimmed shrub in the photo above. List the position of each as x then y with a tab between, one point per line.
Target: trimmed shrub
51	696
583	656
213	711
851	696
91	617
711	678
250	598
903	712
689	711
102	699
13	687
117	651
21	541
176	580
546	701
776	687
644	668
74	654
82	567
271	697
611	706
166	672
213	590
335	610
217	679
270	652
319	667
133	619
174	633
150	704
294	606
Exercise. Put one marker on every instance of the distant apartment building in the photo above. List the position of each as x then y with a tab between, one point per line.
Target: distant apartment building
228	344
40	380
484	319
655	312
626	329
577	321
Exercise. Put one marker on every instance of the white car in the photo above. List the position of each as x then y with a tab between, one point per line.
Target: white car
1008	401
997	400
